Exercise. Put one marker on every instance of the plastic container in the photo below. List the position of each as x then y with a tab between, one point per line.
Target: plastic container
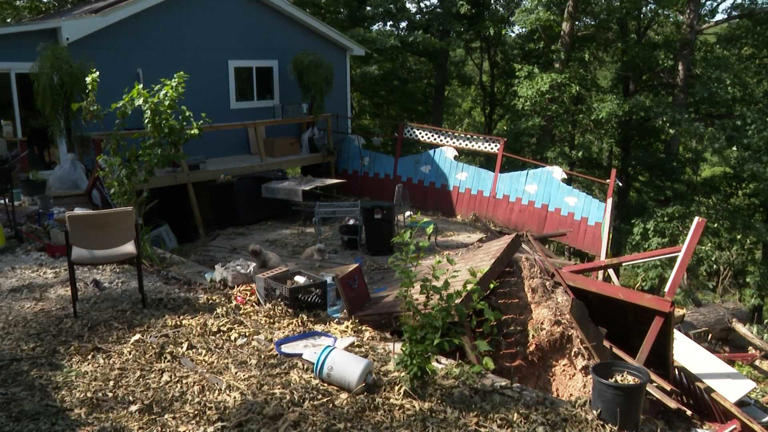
379	224
334	304
619	404
310	295
342	368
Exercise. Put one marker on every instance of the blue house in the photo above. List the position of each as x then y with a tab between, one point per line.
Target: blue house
237	53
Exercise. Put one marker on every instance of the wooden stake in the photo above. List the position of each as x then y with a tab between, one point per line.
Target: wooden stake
193	201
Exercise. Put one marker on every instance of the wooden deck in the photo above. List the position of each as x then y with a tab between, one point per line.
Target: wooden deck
235	166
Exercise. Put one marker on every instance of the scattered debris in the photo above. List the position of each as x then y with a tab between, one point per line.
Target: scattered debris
234	273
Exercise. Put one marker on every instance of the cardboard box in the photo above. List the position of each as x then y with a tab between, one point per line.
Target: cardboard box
282	146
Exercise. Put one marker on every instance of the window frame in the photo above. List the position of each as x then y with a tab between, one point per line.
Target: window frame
253	64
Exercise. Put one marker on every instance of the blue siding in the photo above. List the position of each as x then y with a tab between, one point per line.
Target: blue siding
199	37
23	47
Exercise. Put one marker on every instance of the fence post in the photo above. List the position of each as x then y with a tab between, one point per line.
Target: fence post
607	221
398	149
499	156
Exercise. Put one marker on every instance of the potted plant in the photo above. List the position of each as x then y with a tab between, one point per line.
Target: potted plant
58	82
315	77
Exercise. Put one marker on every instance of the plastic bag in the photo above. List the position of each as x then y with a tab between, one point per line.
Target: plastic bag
68	175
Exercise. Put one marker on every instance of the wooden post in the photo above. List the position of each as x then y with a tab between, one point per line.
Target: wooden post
193	201
499	157
329	137
685	257
607	222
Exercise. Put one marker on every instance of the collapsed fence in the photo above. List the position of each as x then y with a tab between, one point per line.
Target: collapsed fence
534	200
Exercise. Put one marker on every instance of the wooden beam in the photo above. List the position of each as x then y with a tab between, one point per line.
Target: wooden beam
650	338
746	421
497	169
661	382
659	304
624	260
212	174
607	220
685	257
193	202
589	331
657	392
224	126
753	340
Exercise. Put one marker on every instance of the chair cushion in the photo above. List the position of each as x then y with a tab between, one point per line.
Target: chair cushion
103	256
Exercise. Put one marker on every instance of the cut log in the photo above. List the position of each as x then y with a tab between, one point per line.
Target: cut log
716	318
753	340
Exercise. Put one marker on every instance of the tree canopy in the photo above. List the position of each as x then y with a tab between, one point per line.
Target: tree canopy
674	94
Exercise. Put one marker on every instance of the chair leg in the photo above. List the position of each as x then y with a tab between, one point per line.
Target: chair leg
73	287
140	277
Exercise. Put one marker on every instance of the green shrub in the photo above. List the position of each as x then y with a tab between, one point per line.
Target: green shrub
434	320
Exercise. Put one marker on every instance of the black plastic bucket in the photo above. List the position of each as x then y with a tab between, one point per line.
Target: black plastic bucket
619	404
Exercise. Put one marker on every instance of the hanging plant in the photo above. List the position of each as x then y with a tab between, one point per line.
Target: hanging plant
315	77
58	81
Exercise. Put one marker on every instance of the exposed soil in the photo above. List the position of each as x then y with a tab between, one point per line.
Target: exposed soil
541	347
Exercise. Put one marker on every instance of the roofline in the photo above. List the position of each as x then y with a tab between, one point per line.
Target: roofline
79	27
315	24
19	28
72	29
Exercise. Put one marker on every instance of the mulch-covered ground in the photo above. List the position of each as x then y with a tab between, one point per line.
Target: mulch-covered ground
195	359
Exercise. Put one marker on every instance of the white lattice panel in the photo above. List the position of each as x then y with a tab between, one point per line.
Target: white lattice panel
451	138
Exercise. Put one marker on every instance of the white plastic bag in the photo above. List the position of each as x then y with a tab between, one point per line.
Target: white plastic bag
69	175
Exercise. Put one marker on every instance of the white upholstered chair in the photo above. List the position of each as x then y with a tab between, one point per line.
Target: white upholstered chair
102	237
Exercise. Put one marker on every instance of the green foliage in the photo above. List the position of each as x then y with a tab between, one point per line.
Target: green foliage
612	98
13	11
315	77
130	160
58	83
434	320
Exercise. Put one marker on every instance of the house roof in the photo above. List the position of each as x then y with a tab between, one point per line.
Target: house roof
81	20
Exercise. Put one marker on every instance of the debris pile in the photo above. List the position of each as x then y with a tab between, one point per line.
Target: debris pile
540	347
198	359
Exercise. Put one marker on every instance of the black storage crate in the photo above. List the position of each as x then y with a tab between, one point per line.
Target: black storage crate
310	295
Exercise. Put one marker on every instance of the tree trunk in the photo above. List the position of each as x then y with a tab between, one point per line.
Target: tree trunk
744	332
440	86
716	318
565	43
566	34
685	55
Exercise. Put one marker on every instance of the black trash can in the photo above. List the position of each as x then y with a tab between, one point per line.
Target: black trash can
620	404
379	224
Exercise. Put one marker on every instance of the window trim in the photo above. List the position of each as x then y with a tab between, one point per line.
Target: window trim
13	68
253	64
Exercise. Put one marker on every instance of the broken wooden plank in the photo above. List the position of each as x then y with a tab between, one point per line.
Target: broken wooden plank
495	254
650	301
635	258
589	331
689	246
724	379
744	332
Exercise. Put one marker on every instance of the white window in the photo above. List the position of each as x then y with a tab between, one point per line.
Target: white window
253	83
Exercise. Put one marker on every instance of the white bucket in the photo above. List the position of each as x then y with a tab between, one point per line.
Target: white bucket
342	368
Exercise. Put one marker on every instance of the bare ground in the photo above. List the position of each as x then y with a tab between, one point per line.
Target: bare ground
197	360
